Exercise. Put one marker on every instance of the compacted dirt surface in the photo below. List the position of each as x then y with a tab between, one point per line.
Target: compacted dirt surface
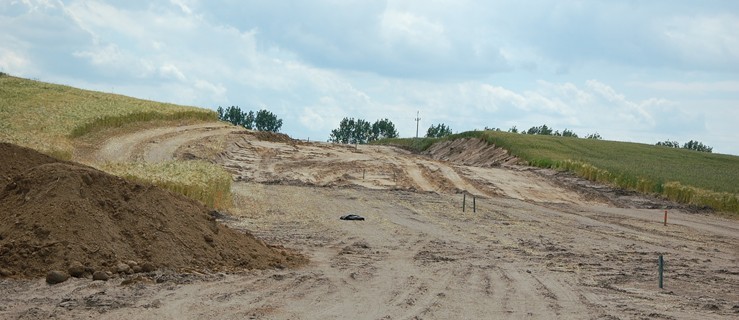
529	244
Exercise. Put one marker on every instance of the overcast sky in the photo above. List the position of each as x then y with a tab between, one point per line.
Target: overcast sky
642	71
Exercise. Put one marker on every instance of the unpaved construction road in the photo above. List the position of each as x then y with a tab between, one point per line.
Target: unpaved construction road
532	250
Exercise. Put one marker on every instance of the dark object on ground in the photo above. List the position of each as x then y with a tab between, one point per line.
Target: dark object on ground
352	217
56	276
100	275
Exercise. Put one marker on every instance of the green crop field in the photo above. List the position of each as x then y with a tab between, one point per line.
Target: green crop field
49	117
686	176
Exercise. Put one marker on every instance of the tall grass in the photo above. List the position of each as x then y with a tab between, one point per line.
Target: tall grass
691	177
199	180
46	116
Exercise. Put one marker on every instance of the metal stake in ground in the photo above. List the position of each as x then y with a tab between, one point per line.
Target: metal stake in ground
474	204
464	201
665	217
661	270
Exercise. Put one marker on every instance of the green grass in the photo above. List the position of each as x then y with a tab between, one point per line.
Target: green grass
50	117
686	176
46	116
412	144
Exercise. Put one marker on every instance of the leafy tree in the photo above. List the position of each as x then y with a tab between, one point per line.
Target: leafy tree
249	119
513	129
234	115
266	121
565	133
594	136
352	131
262	121
569	133
690	145
438	131
382	129
697	146
344	133
668	143
362	131
541	130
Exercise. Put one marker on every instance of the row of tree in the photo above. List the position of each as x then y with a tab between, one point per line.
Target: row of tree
544	130
360	131
263	120
690	145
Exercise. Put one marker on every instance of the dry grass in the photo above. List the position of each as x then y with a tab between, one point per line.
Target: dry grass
57	119
199	180
46	117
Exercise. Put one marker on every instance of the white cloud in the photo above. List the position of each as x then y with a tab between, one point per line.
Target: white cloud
418	32
171	71
707	39
13	63
659	65
693	87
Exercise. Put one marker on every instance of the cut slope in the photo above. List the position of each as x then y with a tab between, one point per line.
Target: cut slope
470	152
57	213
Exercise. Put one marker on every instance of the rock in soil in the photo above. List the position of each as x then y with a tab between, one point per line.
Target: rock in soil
5	273
148	267
76	269
100	275
56	276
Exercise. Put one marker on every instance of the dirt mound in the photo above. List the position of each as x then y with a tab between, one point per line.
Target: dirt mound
271	136
15	159
470	152
55	214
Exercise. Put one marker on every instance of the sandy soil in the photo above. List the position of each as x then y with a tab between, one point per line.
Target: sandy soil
533	249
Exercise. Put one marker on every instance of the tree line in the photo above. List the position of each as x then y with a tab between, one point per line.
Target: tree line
545	130
360	131
690	145
262	120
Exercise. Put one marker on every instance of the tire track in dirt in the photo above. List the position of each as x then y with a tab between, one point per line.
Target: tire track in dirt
156	144
418	256
168	144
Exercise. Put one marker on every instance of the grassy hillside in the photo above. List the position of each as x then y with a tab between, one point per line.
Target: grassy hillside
49	117
683	175
46	116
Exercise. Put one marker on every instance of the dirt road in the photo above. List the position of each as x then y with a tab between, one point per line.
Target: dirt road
532	249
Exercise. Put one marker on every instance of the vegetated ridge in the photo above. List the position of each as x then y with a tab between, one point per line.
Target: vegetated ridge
50	118
690	177
46	116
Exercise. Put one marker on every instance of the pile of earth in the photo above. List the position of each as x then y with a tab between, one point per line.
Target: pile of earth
470	152
56	214
271	136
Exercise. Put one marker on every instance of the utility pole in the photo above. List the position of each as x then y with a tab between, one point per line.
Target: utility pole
418	118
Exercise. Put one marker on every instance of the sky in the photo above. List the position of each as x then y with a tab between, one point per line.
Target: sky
629	70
